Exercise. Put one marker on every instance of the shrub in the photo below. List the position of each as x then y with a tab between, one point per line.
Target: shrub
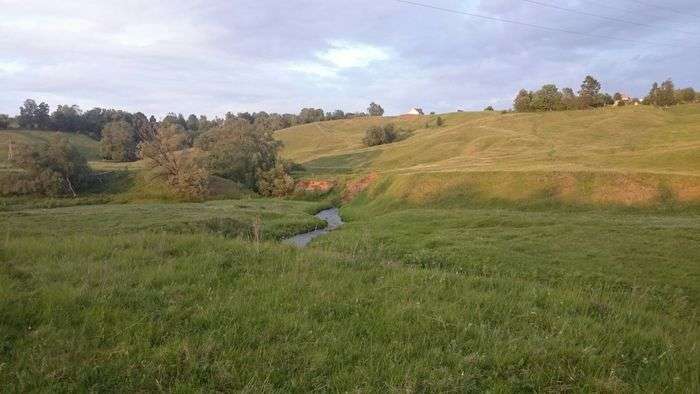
55	168
489	108
275	182
439	121
4	122
378	135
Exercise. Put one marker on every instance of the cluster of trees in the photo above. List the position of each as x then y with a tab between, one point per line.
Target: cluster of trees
550	98
54	168
666	94
236	150
70	118
379	135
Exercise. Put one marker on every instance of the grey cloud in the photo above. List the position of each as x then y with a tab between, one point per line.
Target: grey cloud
214	56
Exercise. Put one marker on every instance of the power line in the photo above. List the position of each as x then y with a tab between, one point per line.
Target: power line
556	7
663	8
551	29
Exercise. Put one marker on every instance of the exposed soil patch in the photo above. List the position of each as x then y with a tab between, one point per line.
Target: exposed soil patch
314	186
353	188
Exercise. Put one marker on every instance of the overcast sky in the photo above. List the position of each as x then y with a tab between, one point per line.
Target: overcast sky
214	56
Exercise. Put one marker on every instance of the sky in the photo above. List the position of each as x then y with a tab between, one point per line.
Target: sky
214	56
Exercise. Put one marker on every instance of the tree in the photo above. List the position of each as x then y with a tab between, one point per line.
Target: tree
589	93
548	98
489	108
666	94
652	97
27	114
686	95
239	152
375	109
166	156
54	168
522	101
192	123
568	99
42	117
378	135
276	182
119	142
67	118
617	96
4	122
309	115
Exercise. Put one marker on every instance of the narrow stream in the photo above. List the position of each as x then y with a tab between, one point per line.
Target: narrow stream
331	216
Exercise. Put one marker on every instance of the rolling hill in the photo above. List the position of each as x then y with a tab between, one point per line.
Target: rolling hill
628	155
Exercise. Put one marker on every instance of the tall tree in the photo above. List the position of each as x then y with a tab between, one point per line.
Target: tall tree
652	96
666	94
548	98
119	142
27	114
192	123
522	101
67	118
375	109
42	116
589	93
568	99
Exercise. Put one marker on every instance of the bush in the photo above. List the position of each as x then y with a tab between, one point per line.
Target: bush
489	108
276	182
379	135
53	169
439	121
4	122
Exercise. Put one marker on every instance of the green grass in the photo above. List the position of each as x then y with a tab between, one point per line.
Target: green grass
499	253
89	147
133	297
630	151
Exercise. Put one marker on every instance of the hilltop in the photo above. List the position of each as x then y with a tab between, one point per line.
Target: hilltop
628	155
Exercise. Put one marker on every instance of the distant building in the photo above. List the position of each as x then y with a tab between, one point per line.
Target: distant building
415	111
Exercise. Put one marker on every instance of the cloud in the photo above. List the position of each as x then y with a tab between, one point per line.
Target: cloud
340	55
344	54
213	56
12	67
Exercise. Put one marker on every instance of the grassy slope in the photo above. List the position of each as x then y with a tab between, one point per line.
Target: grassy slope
89	147
622	155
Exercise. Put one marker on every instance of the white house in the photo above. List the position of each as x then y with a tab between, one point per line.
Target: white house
415	111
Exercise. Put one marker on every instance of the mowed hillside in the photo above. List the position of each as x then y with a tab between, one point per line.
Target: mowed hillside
628	155
89	147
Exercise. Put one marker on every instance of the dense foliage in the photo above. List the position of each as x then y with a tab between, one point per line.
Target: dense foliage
54	168
378	135
119	142
550	98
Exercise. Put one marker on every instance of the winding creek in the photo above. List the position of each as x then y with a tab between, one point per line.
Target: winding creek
330	216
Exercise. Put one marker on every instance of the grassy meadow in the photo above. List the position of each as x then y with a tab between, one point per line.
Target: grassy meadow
553	252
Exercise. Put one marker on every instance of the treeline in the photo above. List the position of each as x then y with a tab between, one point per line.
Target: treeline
666	94
550	98
184	152
70	118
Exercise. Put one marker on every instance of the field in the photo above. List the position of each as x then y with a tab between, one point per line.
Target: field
504	253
